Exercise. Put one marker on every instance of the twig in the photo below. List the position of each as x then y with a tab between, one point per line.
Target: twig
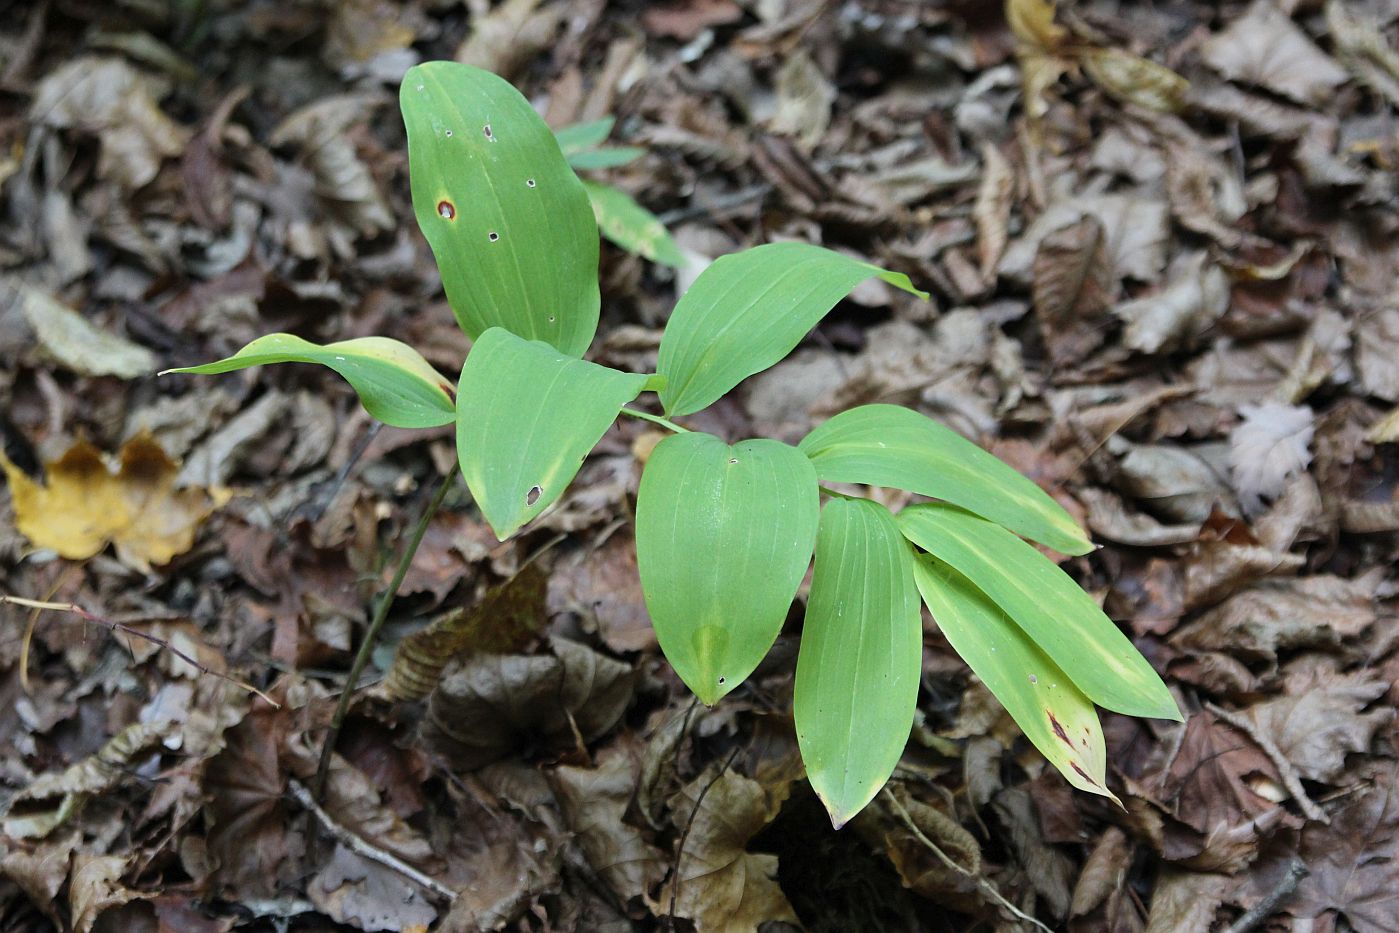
1264	909
981	882
1286	771
685	834
364	849
114	626
381	614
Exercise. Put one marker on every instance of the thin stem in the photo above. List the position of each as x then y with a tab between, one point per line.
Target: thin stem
839	495
656	419
366	647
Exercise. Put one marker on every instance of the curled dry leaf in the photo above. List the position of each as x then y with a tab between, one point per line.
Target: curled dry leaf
992	209
86	504
1321	721
1195	297
75	343
721	885
1135	79
1264	47
1073	285
1268	448
109	99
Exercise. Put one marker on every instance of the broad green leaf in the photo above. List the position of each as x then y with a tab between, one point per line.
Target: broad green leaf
609	157
748	310
395	384
508	221
861	656
527	415
632	226
1047	605
1052	712
886	445
723	538
578	136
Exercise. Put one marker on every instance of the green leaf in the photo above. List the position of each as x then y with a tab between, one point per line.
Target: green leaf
723	538
578	136
747	311
1052	712
395	384
1047	605
527	415
861	656
609	157
508	221
886	445
632	226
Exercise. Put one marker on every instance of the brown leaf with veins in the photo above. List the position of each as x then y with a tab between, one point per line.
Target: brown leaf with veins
1264	47
1073	285
1320	721
722	886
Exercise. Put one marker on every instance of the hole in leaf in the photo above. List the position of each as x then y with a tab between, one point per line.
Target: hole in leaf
1034	679
551	319
533	495
529	182
449	134
733	460
487	130
722	681
447	210
493	236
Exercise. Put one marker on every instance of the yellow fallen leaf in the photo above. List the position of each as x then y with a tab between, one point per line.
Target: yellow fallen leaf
1135	79
89	502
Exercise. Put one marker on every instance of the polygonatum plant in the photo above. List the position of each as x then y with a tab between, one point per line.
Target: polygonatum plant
725	532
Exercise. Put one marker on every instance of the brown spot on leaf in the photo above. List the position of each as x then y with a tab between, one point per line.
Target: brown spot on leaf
446	210
1083	774
1059	730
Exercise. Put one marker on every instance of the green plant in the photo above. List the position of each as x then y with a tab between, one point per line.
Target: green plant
725	532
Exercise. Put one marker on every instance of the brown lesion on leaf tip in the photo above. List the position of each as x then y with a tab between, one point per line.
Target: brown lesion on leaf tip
1083	774
1059	729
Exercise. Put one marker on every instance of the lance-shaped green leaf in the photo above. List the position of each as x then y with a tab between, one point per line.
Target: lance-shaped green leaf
527	415
723	538
632	226
1052	712
860	659
1047	605
395	384
508	221
579	136
607	157
748	310
887	445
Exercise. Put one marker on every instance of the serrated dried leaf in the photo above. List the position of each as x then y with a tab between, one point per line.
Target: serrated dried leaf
1269	447
1264	47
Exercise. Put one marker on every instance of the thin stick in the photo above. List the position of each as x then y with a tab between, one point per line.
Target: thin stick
1285	769
981	882
381	614
1264	909
121	627
655	419
680	848
364	849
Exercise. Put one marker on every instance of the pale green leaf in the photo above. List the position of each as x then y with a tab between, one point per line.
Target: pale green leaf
609	157
527	415
748	310
886	445
860	659
579	136
1047	605
508	221
1052	712
631	226
723	538
395	384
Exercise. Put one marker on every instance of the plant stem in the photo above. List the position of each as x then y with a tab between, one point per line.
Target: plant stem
839	495
366	647
656	419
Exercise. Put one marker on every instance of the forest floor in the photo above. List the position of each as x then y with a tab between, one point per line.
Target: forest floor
1162	244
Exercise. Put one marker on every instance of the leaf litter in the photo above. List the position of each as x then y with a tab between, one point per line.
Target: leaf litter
1161	249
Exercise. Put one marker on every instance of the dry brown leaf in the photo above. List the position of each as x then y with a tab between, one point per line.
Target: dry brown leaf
1360	46
506	620
95	887
723	887
1136	230
1187	900
685	21
356	891
1073	285
86	504
1181	313
1270	446
484	707
602	586
1264	47
504	38
594	803
1320	721
109	99
992	209
804	99
75	343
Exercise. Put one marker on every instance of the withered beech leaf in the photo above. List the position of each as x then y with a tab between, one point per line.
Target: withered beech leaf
1264	47
1073	285
1321	721
486	706
722	886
